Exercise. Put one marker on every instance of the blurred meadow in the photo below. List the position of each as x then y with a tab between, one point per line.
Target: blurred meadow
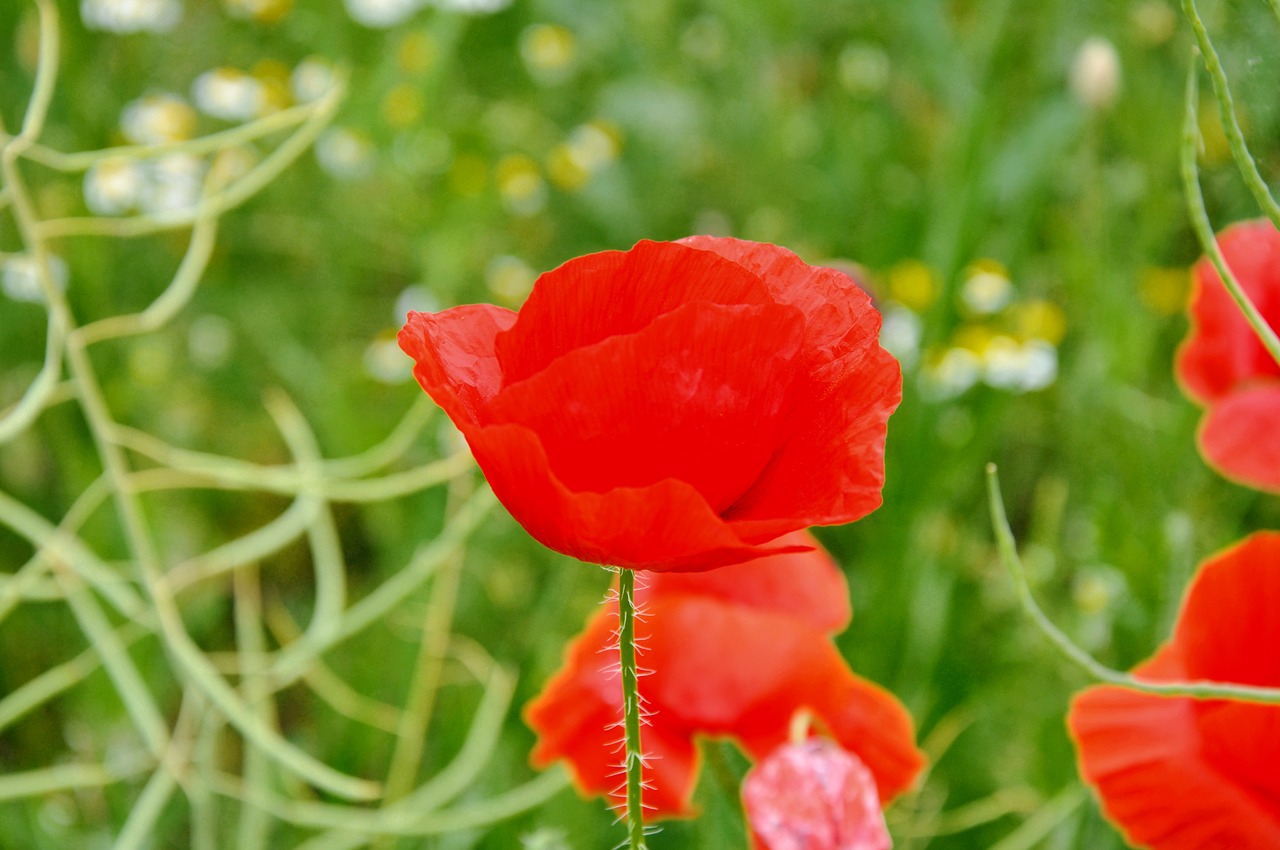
1004	175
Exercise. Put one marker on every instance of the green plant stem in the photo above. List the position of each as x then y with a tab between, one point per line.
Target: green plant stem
243	134
437	624
214	205
254	829
633	759
292	661
57	680
1196	689
401	819
1204	230
134	524
287	479
1227	112
17	785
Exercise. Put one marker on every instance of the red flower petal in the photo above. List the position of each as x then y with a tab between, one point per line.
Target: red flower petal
577	719
864	718
806	585
1221	349
756	405
665	526
1236	436
591	298
699	395
1177	774
830	469
813	796
721	665
453	355
748	672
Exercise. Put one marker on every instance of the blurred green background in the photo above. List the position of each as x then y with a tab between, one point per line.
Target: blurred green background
1004	173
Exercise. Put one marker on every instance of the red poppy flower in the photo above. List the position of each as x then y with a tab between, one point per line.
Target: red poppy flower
1224	367
1178	774
672	407
813	795
734	653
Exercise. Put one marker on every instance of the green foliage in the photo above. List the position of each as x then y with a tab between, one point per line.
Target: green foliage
240	613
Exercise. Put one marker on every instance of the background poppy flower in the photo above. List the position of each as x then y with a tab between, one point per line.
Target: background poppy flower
734	653
813	795
672	407
1222	365
1177	774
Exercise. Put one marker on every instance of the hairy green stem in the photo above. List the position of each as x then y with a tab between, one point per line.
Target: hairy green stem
1197	689
634	757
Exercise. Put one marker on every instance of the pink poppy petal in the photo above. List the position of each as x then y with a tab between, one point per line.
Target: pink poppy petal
813	796
1237	436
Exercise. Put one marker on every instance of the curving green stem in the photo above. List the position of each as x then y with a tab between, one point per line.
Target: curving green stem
634	758
1196	690
1204	229
1227	113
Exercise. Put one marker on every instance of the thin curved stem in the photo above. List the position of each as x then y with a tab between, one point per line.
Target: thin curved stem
218	203
1009	555
1227	112
46	77
437	624
57	680
287	479
169	303
292	661
42	391
248	132
322	534
1204	229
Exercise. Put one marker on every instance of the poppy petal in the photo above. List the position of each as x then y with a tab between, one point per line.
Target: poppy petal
864	718
664	526
591	298
806	585
813	795
454	359
1176	774
699	395
841	324
1229	631
1235	436
830	467
578	719
1221	349
729	670
1143	756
